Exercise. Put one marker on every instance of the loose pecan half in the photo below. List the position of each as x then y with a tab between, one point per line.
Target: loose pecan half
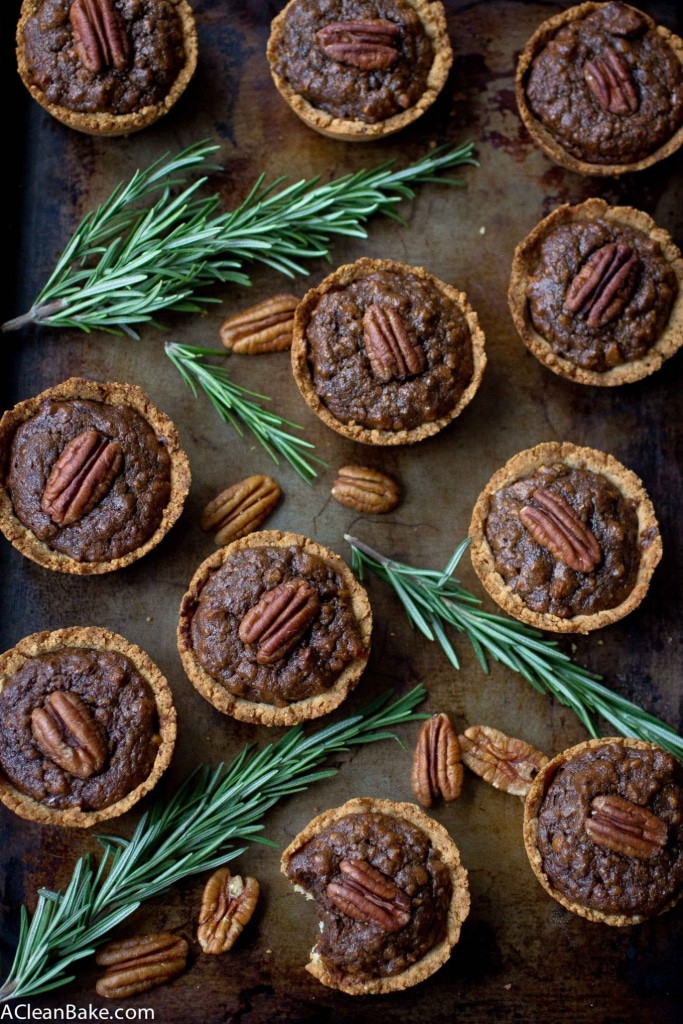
278	621
503	761
437	768
556	527
227	905
604	285
625	827
67	733
82	475
100	35
609	79
366	490
241	508
265	327
139	964
368	43
365	894
393	354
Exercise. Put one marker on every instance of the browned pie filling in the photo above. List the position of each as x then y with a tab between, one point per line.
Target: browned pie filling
565	540
608	87
90	480
104	56
275	625
78	728
610	830
357	59
382	893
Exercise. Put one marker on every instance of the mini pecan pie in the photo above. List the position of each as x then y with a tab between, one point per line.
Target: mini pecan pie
274	628
603	829
600	89
93	476
106	67
385	353
359	69
596	293
390	892
565	538
87	726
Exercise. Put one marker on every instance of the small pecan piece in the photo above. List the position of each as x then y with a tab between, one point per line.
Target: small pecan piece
67	733
503	761
556	527
139	964
279	620
366	490
437	768
100	35
609	79
265	327
392	353
241	509
82	475
227	905
365	894
605	283
625	827
368	43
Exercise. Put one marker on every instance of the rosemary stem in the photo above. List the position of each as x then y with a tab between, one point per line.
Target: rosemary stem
34	316
366	549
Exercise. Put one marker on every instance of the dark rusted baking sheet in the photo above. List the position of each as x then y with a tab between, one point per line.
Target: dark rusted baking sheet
521	957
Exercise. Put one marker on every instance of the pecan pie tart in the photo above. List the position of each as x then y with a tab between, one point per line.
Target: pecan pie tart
565	538
275	629
385	353
92	476
596	293
87	726
600	89
359	69
106	67
603	830
390	892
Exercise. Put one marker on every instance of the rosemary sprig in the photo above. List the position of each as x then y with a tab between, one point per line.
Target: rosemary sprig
127	260
197	830
236	406
434	599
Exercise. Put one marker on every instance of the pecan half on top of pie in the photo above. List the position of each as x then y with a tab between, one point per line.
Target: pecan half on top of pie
359	69
565	538
600	89
390	892
603	830
385	353
275	629
106	67
92	476
87	726
596	293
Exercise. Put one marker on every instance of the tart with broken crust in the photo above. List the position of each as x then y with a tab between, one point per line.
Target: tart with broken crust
274	629
565	538
390	891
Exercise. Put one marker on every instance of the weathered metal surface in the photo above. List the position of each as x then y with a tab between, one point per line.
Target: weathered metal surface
521	957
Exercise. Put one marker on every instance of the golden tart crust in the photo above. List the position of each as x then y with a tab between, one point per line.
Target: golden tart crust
571	455
110	393
98	639
339	279
668	342
259	711
433	17
532	807
458	909
542	136
104	122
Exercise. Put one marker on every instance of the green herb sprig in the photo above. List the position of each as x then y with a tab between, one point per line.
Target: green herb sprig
197	830
434	600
